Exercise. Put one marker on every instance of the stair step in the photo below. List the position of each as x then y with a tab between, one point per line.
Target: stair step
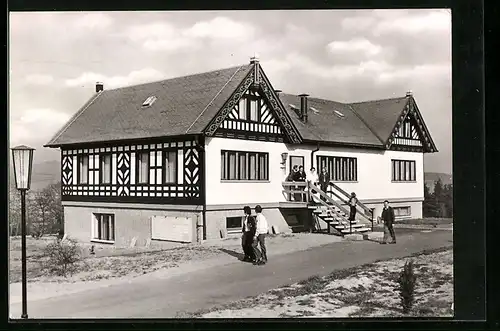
346	231
345	226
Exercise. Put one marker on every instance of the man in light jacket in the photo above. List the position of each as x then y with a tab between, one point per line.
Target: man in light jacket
260	237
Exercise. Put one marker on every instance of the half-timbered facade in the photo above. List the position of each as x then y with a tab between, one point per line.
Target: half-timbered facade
178	159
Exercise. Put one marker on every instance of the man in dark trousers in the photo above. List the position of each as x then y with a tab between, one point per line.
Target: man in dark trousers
302	178
248	231
324	180
388	218
353	201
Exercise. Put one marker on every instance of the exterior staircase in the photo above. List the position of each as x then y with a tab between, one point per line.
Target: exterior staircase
331	217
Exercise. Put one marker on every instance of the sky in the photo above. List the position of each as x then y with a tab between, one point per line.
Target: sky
342	55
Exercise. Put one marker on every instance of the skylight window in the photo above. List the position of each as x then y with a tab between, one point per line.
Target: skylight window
314	110
293	106
149	101
339	114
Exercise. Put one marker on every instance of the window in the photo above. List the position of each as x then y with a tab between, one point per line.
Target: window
149	101
403	171
106	168
402	211
243	109
341	169
234	224
248	108
143	167
244	165
104	227
170	167
83	169
254	106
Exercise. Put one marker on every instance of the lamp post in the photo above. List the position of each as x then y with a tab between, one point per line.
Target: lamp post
23	163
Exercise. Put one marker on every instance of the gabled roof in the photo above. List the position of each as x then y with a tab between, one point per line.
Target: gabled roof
325	125
184	105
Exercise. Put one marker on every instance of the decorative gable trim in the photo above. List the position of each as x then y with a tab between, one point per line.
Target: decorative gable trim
411	109
256	78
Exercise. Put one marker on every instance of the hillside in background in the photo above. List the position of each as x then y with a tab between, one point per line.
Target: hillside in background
44	174
432	177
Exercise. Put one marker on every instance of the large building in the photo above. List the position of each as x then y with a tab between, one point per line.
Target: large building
178	159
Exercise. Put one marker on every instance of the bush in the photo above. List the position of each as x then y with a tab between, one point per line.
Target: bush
407	281
61	257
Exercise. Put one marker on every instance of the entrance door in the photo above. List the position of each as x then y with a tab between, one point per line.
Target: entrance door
296	160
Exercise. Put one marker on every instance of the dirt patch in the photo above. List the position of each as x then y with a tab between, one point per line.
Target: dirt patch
365	291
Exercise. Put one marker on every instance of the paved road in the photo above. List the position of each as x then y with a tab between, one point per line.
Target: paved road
165	298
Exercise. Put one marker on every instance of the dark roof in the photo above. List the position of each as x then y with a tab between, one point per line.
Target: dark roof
326	125
380	115
184	105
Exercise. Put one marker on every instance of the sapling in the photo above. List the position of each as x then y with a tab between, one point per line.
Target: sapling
407	281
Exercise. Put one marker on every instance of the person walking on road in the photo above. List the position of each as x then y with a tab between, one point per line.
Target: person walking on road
260	237
388	218
248	231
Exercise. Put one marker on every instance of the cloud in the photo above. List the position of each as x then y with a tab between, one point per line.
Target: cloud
354	46
33	124
220	28
162	36
432	22
134	77
399	21
94	21
410	74
39	79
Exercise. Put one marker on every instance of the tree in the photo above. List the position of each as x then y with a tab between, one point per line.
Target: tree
429	207
448	199
49	212
439	198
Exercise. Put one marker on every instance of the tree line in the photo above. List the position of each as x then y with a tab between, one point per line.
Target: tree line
44	211
439	203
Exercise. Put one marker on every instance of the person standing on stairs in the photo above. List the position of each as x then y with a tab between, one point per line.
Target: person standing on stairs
388	218
302	178
324	180
312	178
260	237
248	234
353	201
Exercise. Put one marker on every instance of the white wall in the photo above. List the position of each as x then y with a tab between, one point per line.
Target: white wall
219	192
374	172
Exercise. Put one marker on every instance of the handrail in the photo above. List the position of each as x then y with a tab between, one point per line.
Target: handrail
323	194
296	188
360	204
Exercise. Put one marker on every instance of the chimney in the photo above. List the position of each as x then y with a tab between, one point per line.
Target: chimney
278	92
99	87
409	94
303	107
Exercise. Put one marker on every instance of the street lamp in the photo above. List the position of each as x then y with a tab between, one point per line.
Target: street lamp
23	162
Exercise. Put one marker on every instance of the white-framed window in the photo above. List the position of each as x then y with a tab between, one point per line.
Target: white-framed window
340	169
403	171
143	167
239	165
83	169
402	211
103	227
170	171
234	224
105	168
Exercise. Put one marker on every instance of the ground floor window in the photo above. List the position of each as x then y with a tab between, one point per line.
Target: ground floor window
341	169
238	165
234	224
402	211
403	171
104	227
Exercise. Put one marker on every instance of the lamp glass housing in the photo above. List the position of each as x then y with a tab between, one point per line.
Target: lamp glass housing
23	163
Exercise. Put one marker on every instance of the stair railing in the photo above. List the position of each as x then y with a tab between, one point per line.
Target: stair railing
330	200
367	212
295	189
